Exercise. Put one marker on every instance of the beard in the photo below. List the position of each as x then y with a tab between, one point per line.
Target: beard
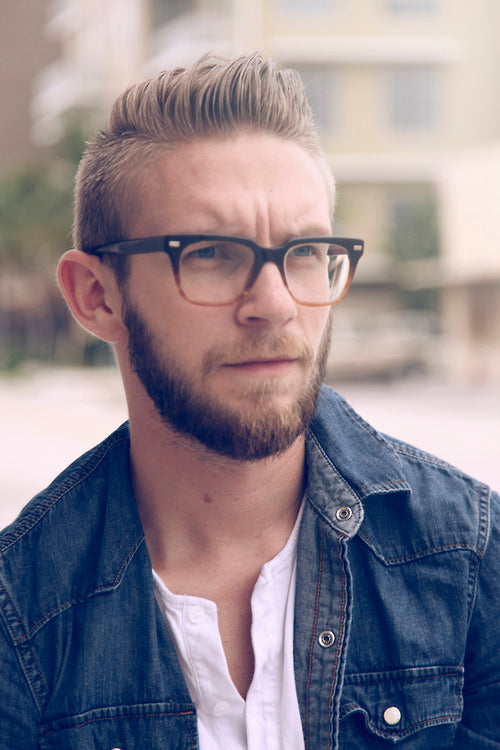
250	434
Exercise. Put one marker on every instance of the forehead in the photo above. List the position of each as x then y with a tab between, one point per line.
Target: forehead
235	185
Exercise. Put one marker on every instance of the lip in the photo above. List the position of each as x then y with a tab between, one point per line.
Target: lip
261	360
272	364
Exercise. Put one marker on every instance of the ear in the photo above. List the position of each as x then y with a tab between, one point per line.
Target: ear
90	289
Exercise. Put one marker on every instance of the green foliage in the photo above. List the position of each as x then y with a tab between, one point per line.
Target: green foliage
35	229
414	230
35	218
413	237
36	208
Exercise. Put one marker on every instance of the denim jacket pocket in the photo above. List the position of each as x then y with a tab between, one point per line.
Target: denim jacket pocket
150	726
413	708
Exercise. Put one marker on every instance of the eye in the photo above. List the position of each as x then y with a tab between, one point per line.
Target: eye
205	253
304	251
213	253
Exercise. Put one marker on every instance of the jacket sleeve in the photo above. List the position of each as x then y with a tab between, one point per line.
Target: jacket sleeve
480	725
19	717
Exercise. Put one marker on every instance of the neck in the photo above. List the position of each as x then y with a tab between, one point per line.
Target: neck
195	503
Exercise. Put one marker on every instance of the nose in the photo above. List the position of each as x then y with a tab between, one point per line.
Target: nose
268	302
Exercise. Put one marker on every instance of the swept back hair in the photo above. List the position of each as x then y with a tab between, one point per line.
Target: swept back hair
214	97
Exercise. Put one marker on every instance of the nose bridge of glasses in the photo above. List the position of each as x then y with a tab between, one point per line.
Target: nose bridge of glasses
265	255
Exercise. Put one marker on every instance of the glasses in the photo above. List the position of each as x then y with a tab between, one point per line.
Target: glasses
217	269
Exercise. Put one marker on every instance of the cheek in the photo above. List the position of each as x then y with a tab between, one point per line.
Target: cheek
320	328
153	292
185	333
152	281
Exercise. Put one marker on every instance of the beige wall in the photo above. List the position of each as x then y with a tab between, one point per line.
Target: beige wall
24	52
470	210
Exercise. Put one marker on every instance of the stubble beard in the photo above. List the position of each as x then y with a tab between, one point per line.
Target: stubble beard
259	431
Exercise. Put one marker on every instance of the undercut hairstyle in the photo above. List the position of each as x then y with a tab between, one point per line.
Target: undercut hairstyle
214	98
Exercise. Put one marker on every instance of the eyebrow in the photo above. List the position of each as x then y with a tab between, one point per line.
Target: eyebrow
315	231
312	230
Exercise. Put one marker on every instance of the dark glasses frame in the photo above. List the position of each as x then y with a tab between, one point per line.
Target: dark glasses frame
174	244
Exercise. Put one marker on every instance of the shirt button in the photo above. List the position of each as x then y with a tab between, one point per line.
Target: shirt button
196	615
392	715
326	638
220	709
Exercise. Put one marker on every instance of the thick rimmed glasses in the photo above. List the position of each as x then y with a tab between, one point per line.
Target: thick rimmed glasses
218	269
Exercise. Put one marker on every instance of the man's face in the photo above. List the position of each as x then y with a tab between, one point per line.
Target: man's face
241	379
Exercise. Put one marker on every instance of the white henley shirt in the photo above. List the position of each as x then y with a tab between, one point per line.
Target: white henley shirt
269	718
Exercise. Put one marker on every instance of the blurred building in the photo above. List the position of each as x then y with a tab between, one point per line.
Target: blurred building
25	49
406	96
470	261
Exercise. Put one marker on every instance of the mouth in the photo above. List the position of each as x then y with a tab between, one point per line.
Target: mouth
276	365
259	356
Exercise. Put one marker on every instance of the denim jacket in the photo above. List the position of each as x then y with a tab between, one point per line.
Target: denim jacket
396	640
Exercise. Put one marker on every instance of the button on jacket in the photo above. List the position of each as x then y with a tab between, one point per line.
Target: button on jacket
397	638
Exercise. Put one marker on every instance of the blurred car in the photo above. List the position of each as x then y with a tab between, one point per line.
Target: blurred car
367	345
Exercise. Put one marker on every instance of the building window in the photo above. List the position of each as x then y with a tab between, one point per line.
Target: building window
164	11
320	85
412	98
410	6
308	6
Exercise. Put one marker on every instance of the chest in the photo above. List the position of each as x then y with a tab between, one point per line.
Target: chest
237	659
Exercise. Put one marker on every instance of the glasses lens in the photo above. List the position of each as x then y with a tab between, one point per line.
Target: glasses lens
214	272
317	272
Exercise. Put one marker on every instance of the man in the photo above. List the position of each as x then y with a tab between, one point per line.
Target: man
246	563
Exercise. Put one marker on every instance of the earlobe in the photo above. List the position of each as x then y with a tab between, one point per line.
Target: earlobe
92	294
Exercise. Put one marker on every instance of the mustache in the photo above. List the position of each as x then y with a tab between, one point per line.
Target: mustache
258	345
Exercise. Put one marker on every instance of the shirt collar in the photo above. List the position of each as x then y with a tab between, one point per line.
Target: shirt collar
347	461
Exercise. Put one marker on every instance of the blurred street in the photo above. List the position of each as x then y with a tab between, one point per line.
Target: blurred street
49	417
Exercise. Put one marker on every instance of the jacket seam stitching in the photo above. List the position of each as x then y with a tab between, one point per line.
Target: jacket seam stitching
316	608
67	486
75	601
341	630
483	518
410	451
383	442
401	734
22	662
45	733
423	552
405	680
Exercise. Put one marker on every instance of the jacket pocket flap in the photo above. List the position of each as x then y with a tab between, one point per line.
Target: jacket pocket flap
397	704
151	725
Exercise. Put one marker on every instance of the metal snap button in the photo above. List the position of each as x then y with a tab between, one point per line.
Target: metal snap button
326	638
392	715
343	514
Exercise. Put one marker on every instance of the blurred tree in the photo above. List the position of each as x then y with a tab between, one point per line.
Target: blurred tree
35	228
414	239
414	226
35	217
36	207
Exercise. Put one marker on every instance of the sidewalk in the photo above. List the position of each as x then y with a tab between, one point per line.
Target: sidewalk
50	417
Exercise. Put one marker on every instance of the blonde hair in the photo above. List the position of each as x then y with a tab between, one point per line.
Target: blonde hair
214	97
